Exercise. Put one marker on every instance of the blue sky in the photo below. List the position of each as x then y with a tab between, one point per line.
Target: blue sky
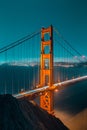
21	17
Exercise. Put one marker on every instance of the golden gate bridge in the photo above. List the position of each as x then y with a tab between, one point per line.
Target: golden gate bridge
39	63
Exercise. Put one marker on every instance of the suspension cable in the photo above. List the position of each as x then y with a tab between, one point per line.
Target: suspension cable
18	42
66	48
61	36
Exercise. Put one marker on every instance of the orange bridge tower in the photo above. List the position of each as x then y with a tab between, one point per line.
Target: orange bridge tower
46	68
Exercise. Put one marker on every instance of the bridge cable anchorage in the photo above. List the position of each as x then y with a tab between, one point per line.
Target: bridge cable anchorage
18	42
61	36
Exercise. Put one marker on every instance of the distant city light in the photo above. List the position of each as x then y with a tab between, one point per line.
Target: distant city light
56	90
83	57
75	57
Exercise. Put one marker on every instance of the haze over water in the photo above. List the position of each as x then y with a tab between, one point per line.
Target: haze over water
71	105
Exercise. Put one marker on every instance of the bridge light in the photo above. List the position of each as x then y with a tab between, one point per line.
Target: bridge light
59	84
40	93
22	91
37	86
56	90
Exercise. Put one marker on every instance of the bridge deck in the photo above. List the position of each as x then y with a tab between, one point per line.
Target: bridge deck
45	88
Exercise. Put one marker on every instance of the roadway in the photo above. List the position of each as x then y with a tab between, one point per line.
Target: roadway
39	91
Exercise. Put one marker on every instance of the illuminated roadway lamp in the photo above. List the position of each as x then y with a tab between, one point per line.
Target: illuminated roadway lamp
56	90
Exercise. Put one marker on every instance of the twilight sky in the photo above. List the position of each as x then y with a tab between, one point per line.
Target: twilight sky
21	17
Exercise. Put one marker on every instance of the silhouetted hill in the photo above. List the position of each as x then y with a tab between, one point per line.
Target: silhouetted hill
24	115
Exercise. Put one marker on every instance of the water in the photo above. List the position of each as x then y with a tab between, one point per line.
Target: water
70	102
71	105
13	79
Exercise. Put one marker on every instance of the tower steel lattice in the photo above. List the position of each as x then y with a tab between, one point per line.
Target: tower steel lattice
46	70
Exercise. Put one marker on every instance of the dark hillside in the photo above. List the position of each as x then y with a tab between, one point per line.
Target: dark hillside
24	115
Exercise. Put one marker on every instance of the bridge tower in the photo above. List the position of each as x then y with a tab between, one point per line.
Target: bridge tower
46	70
